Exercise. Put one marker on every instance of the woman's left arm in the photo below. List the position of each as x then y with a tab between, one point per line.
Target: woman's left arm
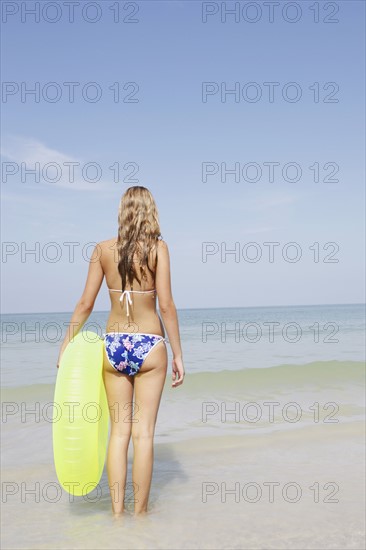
85	305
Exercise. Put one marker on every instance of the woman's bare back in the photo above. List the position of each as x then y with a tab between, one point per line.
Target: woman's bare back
140	305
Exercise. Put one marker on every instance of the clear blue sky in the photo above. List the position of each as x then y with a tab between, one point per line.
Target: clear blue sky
169	132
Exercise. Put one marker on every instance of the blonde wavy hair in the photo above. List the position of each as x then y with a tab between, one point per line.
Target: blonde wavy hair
138	232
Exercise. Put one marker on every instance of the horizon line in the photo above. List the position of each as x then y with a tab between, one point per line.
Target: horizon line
194	308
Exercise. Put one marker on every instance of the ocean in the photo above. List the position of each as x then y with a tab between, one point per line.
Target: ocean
261	447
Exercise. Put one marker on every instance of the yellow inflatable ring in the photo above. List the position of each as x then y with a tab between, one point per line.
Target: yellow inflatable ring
80	415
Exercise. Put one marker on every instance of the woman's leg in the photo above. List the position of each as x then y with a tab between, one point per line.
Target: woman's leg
148	386
119	390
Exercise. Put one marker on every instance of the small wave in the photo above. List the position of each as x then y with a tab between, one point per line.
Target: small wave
322	374
286	377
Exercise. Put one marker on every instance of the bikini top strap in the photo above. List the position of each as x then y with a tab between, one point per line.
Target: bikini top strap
126	294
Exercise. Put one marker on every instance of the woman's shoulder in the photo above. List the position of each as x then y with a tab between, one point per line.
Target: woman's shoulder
161	247
108	242
162	244
106	248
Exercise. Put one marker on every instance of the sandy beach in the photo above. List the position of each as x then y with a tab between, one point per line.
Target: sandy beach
298	489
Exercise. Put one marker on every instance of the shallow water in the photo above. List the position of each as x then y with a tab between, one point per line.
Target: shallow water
211	493
212	339
223	439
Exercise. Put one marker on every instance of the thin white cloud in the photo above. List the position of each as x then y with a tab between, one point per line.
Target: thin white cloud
30	151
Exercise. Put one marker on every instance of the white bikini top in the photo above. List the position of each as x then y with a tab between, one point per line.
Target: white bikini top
127	294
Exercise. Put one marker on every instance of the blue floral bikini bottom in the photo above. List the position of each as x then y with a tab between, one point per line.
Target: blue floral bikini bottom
127	351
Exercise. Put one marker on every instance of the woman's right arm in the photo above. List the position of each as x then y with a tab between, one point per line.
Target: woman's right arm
168	311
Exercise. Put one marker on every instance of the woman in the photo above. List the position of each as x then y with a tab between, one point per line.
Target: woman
135	355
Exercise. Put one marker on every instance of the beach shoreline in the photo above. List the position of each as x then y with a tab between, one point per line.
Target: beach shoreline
208	479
